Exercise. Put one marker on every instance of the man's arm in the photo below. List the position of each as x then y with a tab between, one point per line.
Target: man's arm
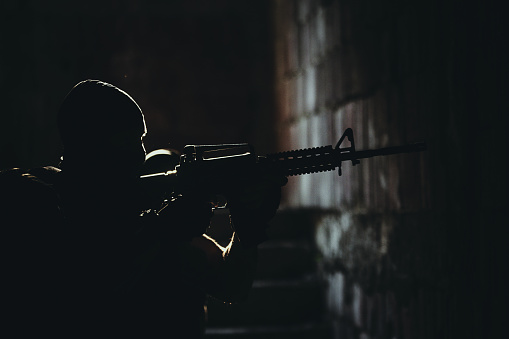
225	273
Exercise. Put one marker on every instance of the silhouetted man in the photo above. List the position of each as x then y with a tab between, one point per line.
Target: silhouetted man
121	272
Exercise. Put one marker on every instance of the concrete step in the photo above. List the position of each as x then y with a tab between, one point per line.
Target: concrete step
271	303
285	260
287	298
310	330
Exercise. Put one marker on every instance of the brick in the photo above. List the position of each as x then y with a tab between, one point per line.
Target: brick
299	82
358	123
338	125
304	44
284	101
393	185
335	293
313	41
379	121
292	98
307	191
375	130
410	186
339	79
322	84
292	48
320	34
303	135
382	188
346	186
310	90
357	305
304	8
332	26
328	82
367	189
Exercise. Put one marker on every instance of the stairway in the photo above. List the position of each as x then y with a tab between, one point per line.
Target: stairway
287	298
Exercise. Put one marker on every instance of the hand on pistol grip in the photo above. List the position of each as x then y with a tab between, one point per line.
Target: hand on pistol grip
188	215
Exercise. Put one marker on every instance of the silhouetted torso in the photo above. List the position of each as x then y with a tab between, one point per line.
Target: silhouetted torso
128	265
81	261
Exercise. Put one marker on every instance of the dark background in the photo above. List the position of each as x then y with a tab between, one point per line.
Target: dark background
200	70
203	72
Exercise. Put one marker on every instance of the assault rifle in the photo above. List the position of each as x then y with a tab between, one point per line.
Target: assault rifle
220	169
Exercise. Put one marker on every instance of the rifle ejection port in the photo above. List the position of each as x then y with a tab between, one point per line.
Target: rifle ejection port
223	151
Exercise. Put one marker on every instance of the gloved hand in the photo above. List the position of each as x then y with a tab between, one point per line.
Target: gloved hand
253	204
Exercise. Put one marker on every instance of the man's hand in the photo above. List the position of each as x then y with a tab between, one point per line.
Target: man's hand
188	216
254	204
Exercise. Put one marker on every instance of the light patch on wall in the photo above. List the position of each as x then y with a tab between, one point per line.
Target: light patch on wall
306	190
329	233
357	305
321	31
299	98
383	181
336	293
317	130
310	90
371	133
337	123
384	237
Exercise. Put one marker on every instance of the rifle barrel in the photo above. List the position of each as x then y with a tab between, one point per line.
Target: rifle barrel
369	153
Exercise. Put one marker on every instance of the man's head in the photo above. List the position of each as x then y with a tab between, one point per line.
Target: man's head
101	125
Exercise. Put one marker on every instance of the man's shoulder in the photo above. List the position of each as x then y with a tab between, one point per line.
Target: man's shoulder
20	179
25	191
44	175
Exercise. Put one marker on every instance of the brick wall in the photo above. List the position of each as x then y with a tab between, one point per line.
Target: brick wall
409	244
